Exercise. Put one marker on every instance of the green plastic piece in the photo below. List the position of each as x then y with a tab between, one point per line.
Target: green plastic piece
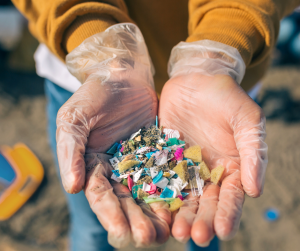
124	182
174	141
151	200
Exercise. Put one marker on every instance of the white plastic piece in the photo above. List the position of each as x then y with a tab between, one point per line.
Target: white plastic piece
116	178
137	175
170	133
162	183
123	176
146	187
144	149
178	183
172	173
174	147
153	172
175	190
135	134
161	157
161	141
114	162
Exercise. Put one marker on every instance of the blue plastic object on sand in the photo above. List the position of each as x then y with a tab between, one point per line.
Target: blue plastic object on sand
271	214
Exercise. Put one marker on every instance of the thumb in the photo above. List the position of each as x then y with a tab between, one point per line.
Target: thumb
71	137
249	137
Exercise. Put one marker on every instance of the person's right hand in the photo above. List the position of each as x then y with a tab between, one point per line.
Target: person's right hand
116	100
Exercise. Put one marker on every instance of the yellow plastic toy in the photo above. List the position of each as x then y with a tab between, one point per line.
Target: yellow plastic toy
20	175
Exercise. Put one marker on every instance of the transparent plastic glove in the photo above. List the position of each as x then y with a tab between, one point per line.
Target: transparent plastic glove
116	99
204	102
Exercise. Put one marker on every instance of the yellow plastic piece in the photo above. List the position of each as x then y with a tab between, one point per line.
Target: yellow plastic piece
181	170
29	175
124	166
176	204
166	174
193	153
141	194
216	174
204	171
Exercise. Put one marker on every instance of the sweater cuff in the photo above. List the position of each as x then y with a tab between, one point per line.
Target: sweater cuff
83	27
233	27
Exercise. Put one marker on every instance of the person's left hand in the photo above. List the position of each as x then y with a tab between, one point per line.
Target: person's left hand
216	113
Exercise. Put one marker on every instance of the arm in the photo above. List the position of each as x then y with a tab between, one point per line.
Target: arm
63	25
251	26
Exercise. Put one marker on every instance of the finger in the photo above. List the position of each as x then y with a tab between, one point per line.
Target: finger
203	227
142	229
161	209
249	139
71	136
183	219
229	212
161	225
106	205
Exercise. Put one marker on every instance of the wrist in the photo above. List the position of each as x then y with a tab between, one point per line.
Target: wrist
117	54
207	58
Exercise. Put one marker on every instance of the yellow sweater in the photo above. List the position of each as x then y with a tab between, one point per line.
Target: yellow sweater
251	26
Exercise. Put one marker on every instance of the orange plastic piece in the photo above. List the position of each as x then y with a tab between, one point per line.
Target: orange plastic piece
29	175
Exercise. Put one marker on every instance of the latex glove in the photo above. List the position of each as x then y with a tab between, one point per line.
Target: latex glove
204	102
116	99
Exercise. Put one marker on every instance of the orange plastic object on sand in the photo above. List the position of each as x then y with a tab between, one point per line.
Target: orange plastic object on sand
21	173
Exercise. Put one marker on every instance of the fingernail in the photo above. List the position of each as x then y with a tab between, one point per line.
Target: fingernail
203	245
182	239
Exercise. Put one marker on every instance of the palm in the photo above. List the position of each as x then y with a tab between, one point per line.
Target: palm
101	115
215	113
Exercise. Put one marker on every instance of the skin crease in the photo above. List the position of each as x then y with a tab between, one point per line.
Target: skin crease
215	113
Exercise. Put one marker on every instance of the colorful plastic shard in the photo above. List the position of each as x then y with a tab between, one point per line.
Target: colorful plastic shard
204	171
130	182
176	204
181	171
216	174
141	194
193	153
124	166
166	193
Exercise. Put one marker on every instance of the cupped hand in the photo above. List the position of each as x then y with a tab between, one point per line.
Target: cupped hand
216	113
88	124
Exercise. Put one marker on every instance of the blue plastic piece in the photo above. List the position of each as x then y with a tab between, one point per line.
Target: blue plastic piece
156	121
166	193
113	149
167	148
135	189
189	162
119	147
271	214
175	176
118	154
116	172
184	194
147	170
158	177
148	155
7	173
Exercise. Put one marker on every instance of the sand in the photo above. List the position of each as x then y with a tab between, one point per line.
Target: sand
43	222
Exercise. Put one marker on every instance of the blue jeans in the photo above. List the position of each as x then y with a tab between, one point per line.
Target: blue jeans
86	233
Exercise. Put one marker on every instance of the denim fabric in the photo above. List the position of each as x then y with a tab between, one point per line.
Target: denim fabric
86	233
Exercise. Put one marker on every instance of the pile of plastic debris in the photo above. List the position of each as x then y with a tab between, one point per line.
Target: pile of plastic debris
155	166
